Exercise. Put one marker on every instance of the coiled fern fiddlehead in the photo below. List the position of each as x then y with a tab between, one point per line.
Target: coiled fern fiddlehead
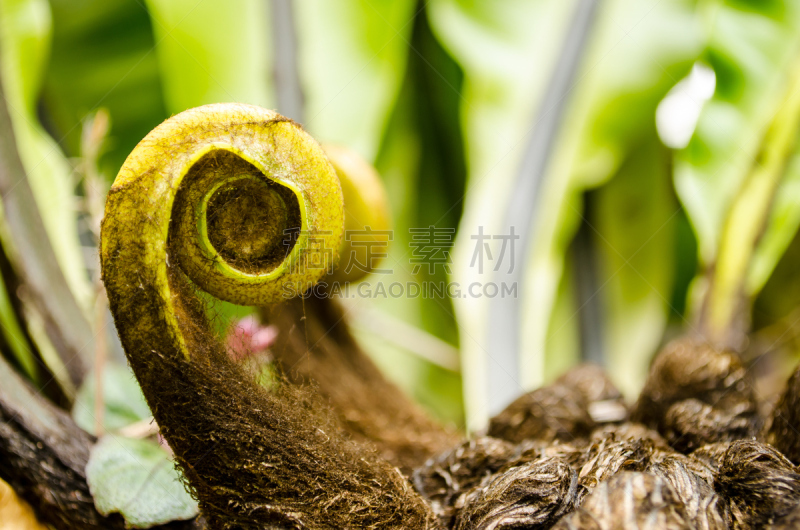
369	407
195	207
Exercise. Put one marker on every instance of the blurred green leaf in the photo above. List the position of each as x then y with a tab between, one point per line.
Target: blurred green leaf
563	330
433	84
634	224
724	317
637	55
40	230
751	48
25	48
103	55
137	479
123	402
211	52
14	336
508	49
352	57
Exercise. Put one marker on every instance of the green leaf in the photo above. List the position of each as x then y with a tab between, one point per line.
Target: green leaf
25	47
508	49
751	48
123	402
634	228
212	52
352	57
745	221
102	55
137	479
39	229
15	337
613	134
563	330
736	176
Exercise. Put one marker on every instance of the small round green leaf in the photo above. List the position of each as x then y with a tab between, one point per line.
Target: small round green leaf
137	479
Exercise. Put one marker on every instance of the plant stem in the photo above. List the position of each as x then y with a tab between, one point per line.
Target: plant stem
727	301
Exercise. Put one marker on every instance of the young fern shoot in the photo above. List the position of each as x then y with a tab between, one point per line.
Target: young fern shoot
241	203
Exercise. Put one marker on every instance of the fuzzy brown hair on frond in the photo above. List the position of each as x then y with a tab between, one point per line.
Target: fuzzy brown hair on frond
315	345
253	457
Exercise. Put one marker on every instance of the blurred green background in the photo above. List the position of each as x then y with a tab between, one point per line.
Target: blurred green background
644	151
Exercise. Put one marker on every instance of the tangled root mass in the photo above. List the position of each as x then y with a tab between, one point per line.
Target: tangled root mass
693	453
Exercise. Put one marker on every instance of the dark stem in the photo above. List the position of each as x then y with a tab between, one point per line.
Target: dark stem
588	293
